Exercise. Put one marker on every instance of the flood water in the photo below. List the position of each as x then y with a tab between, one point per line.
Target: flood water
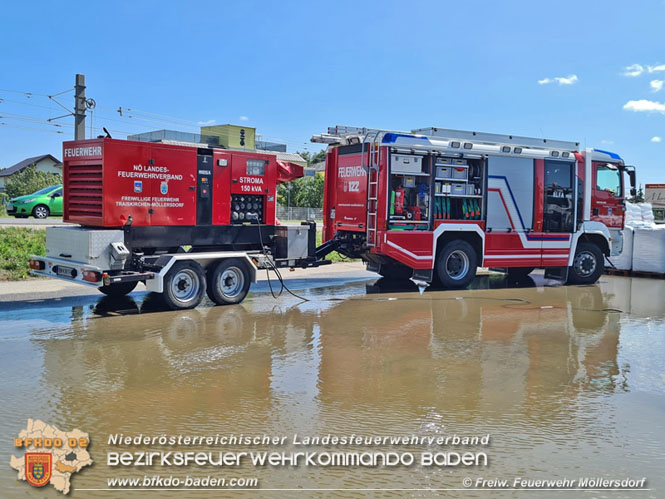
568	381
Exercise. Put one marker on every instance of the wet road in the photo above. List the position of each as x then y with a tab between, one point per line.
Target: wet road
568	381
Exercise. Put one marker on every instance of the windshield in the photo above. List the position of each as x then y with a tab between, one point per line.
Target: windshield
45	190
608	179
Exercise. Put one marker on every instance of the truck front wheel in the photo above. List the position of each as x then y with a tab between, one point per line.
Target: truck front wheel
587	264
456	264
184	285
118	289
228	282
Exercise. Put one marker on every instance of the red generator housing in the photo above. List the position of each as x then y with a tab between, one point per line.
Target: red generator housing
165	195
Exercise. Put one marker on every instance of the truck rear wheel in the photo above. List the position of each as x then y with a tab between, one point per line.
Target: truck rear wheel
456	264
118	289
587	264
184	285
228	283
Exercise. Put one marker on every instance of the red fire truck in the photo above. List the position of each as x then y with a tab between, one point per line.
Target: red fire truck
184	219
434	204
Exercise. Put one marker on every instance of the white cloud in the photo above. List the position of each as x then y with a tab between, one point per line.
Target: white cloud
244	118
657	85
654	69
644	106
633	70
607	142
656	139
206	123
561	80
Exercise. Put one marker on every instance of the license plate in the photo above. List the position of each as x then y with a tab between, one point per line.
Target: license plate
65	271
9	206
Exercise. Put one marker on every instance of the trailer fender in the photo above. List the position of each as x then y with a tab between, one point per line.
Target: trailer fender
204	259
470	232
595	232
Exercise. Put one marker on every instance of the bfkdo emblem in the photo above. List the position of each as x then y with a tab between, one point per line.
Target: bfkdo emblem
38	468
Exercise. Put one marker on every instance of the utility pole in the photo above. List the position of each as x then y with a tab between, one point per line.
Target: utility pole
79	108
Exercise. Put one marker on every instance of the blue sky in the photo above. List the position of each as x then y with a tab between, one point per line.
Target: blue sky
291	69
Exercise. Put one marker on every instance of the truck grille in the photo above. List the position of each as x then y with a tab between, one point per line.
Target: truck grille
83	196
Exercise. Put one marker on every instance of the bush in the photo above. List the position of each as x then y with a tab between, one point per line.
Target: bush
16	246
30	180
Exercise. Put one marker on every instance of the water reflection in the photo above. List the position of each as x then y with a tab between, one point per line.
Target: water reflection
544	366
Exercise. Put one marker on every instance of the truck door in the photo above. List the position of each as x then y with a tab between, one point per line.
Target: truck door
509	241
556	224
204	189
607	203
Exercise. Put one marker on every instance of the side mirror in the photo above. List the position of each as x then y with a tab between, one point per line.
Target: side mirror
630	170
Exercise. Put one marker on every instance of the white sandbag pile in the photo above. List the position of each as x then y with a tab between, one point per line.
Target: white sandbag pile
648	252
643	241
633	215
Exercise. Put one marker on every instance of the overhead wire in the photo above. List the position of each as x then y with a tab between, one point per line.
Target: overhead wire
158	119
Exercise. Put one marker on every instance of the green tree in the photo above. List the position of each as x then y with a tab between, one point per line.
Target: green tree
303	192
313	158
319	157
30	180
639	197
311	192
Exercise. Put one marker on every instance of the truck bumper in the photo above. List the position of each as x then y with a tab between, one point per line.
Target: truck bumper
616	244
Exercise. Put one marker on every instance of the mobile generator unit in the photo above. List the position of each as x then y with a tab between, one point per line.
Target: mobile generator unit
184	219
434	204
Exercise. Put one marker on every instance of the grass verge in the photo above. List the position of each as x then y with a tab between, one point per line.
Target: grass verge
16	245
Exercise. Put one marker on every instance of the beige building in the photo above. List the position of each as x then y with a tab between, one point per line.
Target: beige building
45	163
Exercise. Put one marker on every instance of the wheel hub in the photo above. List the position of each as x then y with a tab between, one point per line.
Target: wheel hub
457	265
585	263
185	285
231	282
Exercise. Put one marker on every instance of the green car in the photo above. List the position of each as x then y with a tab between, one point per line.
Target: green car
40	204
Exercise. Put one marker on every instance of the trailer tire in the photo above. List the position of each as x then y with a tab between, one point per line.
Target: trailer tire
587	266
456	264
228	282
118	289
395	272
184	285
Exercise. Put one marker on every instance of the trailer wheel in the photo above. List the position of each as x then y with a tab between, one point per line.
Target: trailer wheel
184	285
456	264
228	282
118	289
587	265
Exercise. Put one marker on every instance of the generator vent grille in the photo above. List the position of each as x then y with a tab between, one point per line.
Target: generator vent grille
83	191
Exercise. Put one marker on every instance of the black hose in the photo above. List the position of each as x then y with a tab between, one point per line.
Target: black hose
270	266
